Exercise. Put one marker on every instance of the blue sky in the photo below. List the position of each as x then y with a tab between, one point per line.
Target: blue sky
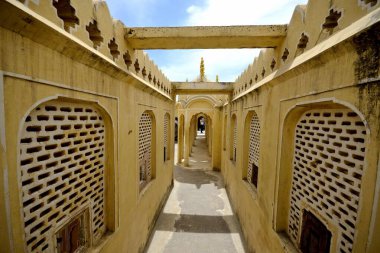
179	65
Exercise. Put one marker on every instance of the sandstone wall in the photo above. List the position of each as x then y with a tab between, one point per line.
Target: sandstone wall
335	73
52	66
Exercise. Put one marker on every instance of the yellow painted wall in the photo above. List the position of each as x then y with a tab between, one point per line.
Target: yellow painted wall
32	73
333	77
39	60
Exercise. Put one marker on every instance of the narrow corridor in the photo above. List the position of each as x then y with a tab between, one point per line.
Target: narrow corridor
197	216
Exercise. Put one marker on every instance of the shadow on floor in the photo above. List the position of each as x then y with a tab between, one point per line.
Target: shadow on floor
197	216
195	176
196	223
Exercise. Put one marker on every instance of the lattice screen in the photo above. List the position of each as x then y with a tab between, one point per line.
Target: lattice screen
225	132
145	146
254	144
62	167
328	167
166	136
234	139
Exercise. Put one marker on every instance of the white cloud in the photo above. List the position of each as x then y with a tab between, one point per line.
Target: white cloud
237	12
193	9
228	64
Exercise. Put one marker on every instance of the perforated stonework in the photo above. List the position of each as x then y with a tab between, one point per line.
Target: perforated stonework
254	144
62	159
225	132
145	146
234	140
166	135
328	167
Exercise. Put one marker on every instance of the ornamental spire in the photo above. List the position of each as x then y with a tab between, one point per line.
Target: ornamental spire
202	70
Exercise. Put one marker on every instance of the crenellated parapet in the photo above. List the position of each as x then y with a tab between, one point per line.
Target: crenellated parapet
310	25
91	22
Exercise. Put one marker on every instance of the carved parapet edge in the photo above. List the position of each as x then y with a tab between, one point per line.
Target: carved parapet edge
307	28
91	22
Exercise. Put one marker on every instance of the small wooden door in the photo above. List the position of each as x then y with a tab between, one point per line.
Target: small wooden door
255	172
69	240
315	237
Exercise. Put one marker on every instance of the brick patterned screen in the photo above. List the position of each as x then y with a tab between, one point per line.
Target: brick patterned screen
62	163
328	167
166	135
225	132
234	143
254	144
145	147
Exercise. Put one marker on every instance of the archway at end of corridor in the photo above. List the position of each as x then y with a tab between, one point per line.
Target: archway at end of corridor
195	136
200	141
201	124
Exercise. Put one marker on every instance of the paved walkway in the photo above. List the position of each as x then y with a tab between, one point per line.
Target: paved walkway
197	217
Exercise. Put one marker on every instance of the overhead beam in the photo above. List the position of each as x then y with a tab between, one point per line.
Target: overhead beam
206	37
192	88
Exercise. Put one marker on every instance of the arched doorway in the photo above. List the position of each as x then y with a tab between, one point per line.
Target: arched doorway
176	130
201	124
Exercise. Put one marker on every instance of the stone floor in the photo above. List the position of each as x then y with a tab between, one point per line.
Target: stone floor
197	217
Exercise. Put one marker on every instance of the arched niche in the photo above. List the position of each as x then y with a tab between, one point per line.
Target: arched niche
251	149
66	172
322	164
146	148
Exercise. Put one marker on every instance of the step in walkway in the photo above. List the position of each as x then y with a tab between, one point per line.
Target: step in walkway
197	217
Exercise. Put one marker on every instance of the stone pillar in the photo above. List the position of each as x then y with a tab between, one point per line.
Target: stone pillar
216	139
191	138
187	141
195	129
206	130
181	123
209	135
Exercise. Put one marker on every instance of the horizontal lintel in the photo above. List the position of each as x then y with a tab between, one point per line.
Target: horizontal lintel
182	88
206	37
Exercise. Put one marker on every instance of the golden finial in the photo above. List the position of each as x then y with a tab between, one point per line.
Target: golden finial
202	70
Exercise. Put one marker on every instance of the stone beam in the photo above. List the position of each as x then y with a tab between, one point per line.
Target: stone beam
203	37
197	88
